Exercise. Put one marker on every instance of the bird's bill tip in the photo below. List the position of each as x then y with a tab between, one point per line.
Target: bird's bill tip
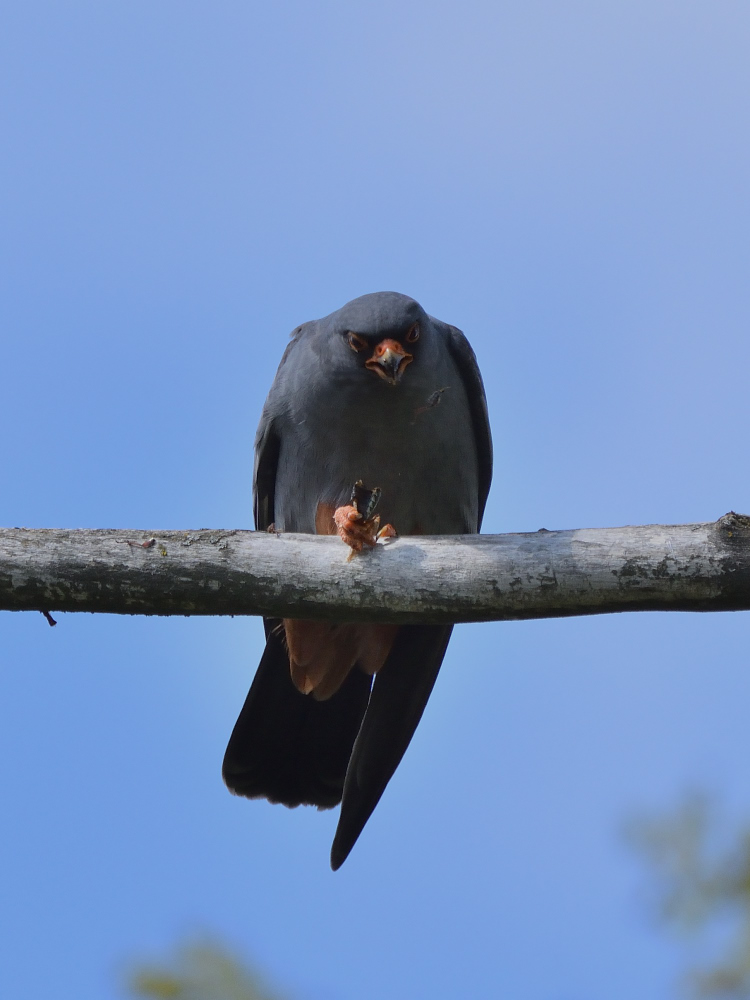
389	360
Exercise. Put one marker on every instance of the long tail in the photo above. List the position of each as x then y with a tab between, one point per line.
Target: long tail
290	748
399	695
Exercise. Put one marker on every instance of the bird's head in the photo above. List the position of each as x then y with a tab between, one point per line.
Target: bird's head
383	331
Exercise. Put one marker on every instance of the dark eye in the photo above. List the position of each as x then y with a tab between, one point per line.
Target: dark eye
413	334
356	342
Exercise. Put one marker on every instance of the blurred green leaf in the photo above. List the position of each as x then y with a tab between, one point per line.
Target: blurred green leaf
702	888
200	971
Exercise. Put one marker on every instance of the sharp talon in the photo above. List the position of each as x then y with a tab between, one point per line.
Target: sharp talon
387	531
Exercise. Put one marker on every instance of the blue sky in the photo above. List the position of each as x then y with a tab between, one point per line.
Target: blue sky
182	184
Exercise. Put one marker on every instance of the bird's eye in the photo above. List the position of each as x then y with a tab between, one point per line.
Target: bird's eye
356	342
412	334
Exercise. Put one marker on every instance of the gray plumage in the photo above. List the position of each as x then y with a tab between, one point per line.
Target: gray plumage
329	421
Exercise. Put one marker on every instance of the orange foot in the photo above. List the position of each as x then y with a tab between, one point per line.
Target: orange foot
358	532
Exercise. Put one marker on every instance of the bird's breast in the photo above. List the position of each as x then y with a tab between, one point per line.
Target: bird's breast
416	445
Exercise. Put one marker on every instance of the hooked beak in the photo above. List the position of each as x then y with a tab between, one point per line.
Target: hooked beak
389	359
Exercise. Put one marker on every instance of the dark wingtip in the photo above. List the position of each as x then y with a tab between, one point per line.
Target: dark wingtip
398	698
340	852
352	822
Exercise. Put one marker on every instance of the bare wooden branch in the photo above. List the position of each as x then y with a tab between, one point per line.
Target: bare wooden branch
546	574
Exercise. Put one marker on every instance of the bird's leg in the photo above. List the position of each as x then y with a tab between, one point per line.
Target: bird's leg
357	523
358	532
354	529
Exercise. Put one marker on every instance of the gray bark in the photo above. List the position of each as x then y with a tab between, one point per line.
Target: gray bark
545	574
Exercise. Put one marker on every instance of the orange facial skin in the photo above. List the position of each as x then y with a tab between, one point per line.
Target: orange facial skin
389	360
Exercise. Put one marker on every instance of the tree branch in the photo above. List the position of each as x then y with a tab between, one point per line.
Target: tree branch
460	578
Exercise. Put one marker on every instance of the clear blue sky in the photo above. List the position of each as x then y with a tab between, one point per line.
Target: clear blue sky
182	184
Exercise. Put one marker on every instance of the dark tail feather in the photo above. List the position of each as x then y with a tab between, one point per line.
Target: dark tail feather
287	747
398	698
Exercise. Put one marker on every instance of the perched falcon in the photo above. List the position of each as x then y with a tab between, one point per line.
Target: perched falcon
382	393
